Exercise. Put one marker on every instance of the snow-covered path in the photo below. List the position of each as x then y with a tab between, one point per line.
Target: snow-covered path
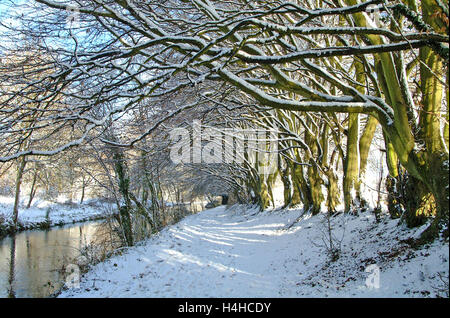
238	253
211	254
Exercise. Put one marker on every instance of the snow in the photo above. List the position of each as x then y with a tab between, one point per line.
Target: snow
59	213
241	252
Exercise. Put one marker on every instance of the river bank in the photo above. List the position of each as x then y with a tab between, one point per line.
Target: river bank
38	263
45	214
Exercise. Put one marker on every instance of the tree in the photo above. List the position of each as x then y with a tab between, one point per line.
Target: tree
317	56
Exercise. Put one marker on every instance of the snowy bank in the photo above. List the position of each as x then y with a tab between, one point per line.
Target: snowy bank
43	214
239	252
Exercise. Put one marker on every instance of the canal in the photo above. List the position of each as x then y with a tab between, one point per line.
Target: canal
34	263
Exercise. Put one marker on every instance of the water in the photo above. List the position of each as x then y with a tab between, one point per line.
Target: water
32	262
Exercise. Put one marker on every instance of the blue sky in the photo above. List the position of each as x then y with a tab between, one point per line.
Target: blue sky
10	8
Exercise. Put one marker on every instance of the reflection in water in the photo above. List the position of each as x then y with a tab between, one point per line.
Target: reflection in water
34	263
31	262
12	263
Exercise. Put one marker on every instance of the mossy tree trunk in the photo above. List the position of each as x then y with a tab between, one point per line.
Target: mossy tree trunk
351	164
419	148
315	181
125	210
286	178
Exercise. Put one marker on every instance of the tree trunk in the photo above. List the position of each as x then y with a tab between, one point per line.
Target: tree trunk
83	186
33	188
315	186
351	168
125	210
287	184
364	147
439	183
302	192
19	176
333	191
